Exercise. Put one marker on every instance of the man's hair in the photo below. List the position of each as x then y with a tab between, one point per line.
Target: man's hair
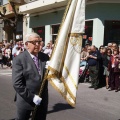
27	37
93	46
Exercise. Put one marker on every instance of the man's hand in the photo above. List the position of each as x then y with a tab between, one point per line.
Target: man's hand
47	64
90	56
37	100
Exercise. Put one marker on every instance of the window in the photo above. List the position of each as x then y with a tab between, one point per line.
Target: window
1	2
87	37
4	2
55	29
40	31
112	32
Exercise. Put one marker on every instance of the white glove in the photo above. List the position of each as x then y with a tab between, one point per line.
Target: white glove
37	100
47	64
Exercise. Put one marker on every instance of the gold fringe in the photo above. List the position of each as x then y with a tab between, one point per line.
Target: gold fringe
53	70
69	91
52	83
70	76
61	78
59	74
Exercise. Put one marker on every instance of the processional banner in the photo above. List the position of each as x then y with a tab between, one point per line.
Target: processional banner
65	61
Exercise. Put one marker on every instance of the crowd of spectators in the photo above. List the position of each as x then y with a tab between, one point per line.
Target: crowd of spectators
103	65
9	50
103	62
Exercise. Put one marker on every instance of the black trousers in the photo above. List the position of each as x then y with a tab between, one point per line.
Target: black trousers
23	114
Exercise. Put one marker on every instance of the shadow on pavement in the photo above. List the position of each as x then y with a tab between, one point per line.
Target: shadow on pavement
60	107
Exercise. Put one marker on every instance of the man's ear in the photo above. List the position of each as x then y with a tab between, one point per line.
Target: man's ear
26	43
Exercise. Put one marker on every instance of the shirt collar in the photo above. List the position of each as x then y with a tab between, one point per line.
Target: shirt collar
32	55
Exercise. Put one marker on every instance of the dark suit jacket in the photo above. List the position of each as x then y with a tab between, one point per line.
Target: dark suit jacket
27	81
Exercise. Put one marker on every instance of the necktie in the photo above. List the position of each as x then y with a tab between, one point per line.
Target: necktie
36	63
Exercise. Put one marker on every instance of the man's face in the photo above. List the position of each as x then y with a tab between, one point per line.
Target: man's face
33	45
114	46
92	49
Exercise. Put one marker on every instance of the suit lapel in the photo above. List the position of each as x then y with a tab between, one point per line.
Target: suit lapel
30	60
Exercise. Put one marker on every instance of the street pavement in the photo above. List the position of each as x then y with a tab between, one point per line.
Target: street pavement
91	104
6	72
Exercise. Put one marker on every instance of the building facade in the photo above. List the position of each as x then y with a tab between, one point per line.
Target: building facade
9	29
102	20
105	19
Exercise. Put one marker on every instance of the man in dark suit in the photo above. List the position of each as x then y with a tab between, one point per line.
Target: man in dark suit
93	63
27	75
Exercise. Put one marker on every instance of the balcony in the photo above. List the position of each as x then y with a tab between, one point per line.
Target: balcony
42	6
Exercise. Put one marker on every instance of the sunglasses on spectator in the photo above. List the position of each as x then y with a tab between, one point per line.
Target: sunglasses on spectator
35	42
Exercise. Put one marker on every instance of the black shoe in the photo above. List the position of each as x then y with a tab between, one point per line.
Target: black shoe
95	87
116	90
91	86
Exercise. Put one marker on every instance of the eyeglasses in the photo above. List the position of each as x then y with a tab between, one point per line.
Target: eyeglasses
34	42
